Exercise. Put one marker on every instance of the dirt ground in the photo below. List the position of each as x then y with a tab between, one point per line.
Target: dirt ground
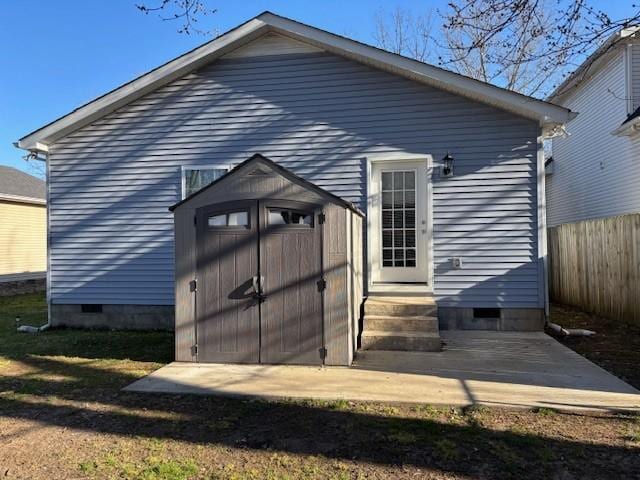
615	347
63	416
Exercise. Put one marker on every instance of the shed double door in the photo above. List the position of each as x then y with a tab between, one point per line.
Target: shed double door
259	283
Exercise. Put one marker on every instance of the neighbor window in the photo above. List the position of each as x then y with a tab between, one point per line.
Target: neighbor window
194	178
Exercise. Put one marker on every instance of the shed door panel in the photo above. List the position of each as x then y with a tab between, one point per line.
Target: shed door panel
291	264
228	316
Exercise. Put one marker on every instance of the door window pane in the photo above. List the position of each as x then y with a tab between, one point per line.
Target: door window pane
238	219
232	219
283	216
398	218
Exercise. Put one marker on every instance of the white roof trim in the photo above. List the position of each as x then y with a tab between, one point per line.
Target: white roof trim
628	129
21	199
593	62
547	114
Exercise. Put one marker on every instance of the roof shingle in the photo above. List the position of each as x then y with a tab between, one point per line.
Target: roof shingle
18	183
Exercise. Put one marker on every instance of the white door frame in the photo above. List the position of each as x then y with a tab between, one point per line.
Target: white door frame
400	158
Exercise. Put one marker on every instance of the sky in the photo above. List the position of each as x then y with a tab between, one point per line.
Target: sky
58	55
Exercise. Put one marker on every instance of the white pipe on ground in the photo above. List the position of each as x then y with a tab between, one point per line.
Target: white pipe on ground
566	332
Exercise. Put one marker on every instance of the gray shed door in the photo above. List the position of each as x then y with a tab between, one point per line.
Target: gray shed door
258	297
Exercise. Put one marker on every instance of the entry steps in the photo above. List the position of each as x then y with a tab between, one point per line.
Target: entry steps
406	323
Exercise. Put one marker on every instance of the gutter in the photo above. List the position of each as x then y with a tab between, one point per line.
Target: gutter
628	129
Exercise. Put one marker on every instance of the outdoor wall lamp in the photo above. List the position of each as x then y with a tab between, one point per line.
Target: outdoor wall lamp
447	165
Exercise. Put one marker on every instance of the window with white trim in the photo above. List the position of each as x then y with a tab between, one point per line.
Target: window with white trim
196	177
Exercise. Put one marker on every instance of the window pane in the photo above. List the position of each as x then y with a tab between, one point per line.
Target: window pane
410	238
218	221
387	219
397	219
397	180
195	179
409	180
409	198
409	219
386	181
387	199
398	238
289	217
386	238
397	199
238	219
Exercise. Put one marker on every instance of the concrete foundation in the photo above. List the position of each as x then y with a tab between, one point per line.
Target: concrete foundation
115	317
511	320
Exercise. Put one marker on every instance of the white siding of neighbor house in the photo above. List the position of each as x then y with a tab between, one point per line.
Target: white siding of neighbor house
635	76
595	174
319	115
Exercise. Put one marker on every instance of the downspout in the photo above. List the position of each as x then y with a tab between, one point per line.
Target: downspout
37	155
542	247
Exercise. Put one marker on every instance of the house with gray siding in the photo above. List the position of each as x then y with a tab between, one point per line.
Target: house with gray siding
289	155
595	172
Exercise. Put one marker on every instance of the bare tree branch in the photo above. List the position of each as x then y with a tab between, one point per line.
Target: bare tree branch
402	32
188	12
546	36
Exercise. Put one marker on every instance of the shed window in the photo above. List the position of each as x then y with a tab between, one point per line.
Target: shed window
195	178
231	219
284	216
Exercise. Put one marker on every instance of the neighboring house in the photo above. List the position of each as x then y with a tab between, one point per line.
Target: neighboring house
595	169
447	170
23	226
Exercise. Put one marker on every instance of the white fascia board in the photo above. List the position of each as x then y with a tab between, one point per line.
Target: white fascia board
628	129
544	112
21	199
593	63
84	115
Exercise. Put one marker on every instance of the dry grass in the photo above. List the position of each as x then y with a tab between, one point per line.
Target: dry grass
62	415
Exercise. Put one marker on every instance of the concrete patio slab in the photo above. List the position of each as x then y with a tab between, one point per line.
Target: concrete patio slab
490	368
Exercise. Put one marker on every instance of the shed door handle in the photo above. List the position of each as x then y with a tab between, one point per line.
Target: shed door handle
258	288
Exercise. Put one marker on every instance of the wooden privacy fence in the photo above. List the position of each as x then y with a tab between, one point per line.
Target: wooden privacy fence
595	265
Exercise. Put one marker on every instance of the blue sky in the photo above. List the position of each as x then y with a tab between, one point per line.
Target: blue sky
57	55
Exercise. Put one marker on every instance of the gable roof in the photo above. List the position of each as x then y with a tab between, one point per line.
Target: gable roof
288	174
18	186
593	62
547	114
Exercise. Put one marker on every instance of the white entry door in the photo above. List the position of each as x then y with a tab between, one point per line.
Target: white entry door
398	222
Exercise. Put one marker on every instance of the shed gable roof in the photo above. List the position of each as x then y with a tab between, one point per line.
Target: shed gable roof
547	114
259	165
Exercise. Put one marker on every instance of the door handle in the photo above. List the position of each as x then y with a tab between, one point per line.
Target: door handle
258	288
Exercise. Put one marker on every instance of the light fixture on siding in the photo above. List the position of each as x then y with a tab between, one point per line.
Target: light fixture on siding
447	165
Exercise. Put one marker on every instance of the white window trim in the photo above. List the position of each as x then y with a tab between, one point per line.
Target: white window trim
183	174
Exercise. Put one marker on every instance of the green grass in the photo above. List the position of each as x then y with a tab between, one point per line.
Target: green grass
96	344
70	380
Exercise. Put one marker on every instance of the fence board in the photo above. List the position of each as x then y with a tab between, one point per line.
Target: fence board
595	265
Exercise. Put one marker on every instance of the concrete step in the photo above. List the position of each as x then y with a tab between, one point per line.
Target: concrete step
401	306
387	323
401	341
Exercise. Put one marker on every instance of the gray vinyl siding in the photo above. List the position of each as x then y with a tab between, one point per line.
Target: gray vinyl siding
321	116
595	174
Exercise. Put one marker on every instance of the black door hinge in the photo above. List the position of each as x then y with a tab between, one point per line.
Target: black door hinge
321	218
195	220
323	352
194	350
322	284
193	285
